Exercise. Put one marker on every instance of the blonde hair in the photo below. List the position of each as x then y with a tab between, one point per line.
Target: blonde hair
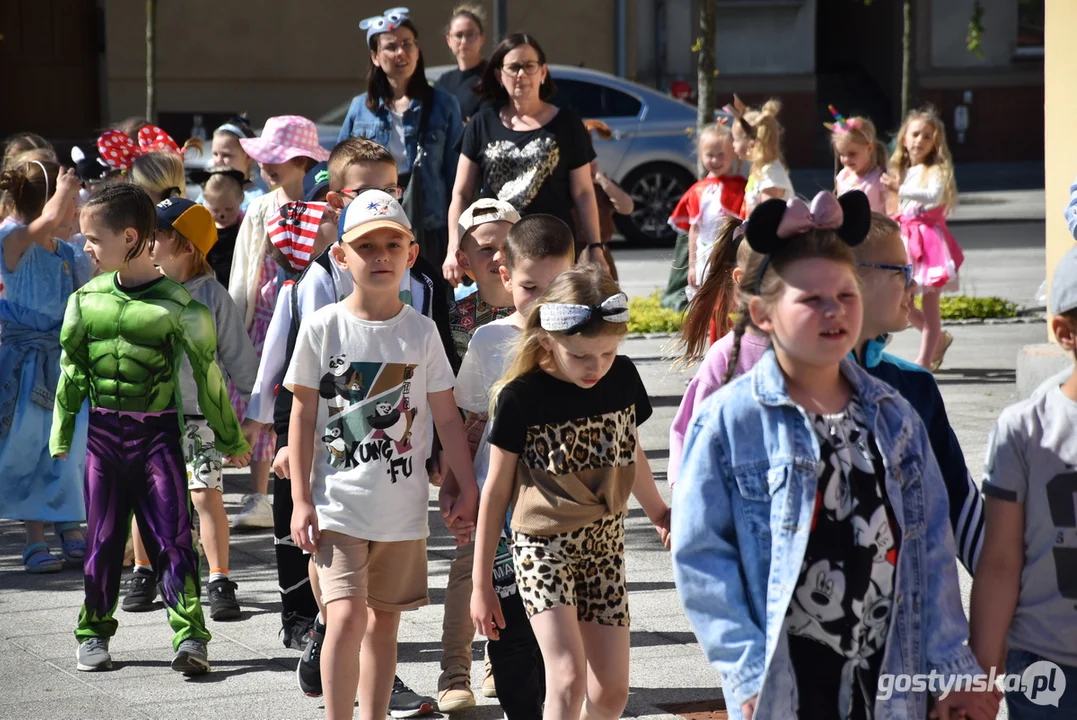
587	284
863	133
882	228
198	263
18	149
26	187
762	126
220	182
472	12
938	159
160	174
717	130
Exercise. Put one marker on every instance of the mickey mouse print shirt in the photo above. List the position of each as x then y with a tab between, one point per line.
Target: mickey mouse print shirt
373	433
838	618
529	169
576	446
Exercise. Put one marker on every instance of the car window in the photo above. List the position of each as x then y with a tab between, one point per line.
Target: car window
592	101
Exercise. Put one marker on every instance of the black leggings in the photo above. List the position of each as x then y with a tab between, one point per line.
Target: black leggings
296	597
519	673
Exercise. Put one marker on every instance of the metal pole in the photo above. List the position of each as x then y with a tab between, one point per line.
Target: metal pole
151	60
620	21
501	19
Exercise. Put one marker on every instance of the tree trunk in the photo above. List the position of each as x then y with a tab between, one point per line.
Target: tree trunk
906	58
151	60
706	68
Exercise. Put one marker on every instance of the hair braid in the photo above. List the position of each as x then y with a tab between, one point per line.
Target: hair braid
739	328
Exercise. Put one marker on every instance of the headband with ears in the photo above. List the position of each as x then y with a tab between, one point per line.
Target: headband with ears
841	124
386	22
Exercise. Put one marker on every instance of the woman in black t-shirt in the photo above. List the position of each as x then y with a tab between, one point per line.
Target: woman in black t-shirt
524	150
464	36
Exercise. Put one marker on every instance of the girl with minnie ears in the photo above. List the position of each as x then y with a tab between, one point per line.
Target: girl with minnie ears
812	550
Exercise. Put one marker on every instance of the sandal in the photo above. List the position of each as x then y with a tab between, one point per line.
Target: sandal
38	560
944	344
74	549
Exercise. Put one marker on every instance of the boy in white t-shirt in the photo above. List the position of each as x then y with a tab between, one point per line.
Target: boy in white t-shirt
538	249
367	376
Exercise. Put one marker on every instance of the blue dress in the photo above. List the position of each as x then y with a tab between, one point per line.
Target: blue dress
33	485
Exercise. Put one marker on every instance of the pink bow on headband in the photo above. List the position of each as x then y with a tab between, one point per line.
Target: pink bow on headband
120	151
824	214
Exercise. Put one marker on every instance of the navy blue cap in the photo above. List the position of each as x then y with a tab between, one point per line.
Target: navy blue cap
316	181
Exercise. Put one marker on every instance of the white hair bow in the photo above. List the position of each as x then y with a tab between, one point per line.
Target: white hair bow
570	319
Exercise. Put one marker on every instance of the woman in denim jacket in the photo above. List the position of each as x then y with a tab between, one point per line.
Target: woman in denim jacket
390	113
812	547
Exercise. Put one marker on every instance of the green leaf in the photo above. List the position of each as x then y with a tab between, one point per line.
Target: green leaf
965	307
646	315
698	44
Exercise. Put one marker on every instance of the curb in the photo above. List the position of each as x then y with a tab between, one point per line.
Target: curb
1018	220
1023	320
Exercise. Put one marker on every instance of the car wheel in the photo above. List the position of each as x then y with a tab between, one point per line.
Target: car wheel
655	189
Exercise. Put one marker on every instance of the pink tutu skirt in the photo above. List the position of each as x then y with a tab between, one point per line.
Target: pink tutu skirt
933	252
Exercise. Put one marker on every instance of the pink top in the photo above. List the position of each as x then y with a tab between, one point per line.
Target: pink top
871	185
706	382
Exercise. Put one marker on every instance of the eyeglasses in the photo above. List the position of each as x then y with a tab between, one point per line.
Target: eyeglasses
529	68
462	36
394	190
391	48
906	269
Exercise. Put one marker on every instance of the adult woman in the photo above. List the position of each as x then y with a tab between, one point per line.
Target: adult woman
526	151
465	38
397	103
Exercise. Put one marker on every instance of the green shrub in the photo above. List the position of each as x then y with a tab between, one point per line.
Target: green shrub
965	307
646	315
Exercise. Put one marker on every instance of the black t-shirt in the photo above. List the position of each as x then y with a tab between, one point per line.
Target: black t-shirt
461	84
220	255
529	169
576	446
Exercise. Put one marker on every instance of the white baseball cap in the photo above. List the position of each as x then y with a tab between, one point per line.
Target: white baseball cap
372	210
487	210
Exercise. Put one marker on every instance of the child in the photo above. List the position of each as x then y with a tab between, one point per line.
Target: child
367	376
1023	595
287	150
222	194
227	151
150	155
565	450
185	235
160	174
724	359
862	158
701	210
887	290
757	138
38	276
538	249
483	229
922	175
19	143
808	490
134	460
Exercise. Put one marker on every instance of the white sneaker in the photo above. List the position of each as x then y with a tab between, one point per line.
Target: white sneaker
257	512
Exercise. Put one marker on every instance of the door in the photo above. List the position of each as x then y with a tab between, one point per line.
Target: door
49	52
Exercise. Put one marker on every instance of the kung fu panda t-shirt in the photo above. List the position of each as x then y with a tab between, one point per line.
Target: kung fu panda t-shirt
529	169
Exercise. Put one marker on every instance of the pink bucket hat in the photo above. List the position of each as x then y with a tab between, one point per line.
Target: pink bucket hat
283	138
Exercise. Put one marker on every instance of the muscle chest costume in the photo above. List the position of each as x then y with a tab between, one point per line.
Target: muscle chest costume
123	348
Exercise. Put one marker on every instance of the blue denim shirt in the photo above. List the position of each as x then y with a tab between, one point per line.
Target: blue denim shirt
441	146
742	513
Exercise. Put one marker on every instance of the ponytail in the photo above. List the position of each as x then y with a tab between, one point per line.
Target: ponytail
739	328
716	297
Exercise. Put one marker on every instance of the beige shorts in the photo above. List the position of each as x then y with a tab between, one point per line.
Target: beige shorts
390	575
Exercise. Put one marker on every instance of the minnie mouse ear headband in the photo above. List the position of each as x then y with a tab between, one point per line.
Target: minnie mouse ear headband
776	222
570	319
120	151
841	125
89	168
736	109
386	22
201	177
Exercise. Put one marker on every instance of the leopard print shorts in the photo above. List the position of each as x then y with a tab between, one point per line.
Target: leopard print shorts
584	568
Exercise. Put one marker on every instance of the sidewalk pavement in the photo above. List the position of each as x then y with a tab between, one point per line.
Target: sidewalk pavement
999	206
253	675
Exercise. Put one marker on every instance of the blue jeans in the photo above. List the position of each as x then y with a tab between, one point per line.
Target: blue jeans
1021	705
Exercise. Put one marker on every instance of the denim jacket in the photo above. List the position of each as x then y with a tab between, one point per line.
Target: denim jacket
441	146
743	509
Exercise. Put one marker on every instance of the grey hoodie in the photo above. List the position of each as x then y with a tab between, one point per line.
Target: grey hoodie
235	353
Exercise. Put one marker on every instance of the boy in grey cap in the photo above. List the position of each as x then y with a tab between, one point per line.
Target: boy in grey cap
1024	598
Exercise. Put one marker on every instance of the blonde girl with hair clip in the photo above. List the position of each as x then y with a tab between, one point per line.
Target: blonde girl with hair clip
757	138
922	176
39	273
861	156
227	150
160	174
564	449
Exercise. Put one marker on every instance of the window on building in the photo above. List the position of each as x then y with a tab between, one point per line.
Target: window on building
594	101
1030	28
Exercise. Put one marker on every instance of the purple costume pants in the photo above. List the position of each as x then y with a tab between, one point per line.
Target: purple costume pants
135	464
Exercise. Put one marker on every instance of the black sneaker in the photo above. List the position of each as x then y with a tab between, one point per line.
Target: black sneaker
222	600
405	703
141	592
295	634
309	669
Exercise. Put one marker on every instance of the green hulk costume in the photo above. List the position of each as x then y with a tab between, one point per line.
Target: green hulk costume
123	347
